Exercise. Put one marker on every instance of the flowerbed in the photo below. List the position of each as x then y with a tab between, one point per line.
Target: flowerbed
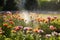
14	27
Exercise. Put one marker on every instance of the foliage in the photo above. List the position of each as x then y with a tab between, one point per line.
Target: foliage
14	27
12	5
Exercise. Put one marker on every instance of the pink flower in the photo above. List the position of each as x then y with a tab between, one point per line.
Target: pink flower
54	33
48	35
40	31
27	28
52	27
49	18
18	28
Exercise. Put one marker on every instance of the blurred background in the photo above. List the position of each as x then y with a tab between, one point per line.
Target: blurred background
31	5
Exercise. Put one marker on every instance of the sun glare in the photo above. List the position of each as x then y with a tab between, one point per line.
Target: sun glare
26	16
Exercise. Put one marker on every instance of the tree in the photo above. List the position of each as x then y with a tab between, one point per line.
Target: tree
31	4
10	5
1	4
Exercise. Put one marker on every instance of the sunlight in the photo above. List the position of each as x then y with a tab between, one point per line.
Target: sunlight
26	16
48	0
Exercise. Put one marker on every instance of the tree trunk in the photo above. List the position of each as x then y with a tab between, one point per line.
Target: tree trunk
31	4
